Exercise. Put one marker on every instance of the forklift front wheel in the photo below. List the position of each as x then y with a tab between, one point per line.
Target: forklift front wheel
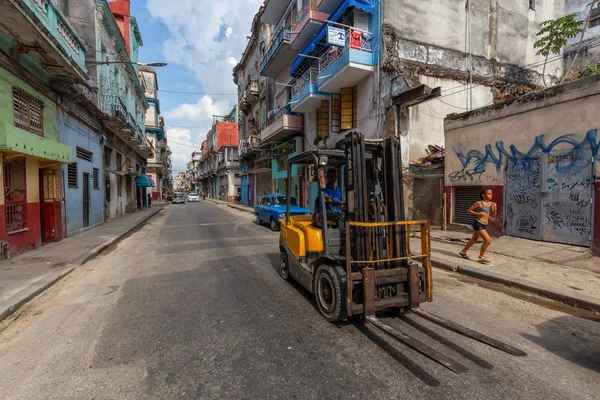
284	269
330	291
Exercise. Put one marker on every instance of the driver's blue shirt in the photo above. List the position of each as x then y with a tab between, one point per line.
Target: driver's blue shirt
335	193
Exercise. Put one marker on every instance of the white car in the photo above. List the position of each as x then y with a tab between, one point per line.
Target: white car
193	197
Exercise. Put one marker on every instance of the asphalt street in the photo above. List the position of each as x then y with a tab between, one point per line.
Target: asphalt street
192	307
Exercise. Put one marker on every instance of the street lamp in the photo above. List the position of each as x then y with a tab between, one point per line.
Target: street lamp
150	64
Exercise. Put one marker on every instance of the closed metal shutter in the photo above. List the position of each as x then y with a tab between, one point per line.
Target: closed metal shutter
464	197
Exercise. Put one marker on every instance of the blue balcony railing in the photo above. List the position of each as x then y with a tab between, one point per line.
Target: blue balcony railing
52	19
284	34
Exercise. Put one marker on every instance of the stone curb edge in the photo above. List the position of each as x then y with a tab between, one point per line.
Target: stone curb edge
541	290
34	290
241	208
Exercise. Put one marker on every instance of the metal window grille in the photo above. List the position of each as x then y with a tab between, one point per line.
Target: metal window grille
107	157
594	17
95	173
28	112
72	175
84	154
15	195
464	198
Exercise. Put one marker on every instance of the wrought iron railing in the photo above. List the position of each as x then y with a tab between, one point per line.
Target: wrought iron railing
310	5
305	80
283	34
356	39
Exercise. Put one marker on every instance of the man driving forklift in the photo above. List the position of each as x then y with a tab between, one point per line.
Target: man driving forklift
335	206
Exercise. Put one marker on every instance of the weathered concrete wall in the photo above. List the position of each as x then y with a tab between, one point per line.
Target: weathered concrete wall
479	142
590	54
433	32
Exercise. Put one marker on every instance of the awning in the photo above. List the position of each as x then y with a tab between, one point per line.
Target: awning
313	43
144	181
259	170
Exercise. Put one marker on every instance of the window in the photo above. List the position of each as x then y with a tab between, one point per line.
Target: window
119	162
349	108
336	112
532	5
262	48
323	120
72	175
84	154
594	17
15	194
95	181
464	198
28	112
107	157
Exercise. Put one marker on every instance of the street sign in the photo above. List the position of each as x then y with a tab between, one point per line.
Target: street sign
336	36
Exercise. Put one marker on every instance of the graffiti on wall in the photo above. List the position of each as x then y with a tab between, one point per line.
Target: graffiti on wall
497	154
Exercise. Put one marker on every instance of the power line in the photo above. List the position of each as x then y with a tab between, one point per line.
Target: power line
198	93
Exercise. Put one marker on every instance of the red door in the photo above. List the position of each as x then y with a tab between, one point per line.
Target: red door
50	205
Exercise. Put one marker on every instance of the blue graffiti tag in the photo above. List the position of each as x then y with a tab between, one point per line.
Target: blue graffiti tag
479	159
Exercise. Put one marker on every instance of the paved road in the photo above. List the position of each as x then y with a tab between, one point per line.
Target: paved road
191	306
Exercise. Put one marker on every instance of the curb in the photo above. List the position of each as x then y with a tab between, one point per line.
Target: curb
23	297
542	290
241	208
545	291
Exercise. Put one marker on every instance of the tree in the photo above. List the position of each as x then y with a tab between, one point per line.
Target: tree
554	35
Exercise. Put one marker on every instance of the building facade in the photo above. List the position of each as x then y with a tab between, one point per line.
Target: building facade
32	208
540	157
156	138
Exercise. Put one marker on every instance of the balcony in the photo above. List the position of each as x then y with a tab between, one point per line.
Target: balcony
41	30
327	6
345	67
251	93
273	11
307	23
306	96
279	55
280	127
249	147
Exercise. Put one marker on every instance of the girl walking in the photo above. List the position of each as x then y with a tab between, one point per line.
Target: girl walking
482	211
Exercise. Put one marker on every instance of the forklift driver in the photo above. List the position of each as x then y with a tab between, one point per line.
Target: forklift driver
333	196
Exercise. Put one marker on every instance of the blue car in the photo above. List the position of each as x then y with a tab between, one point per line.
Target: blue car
271	209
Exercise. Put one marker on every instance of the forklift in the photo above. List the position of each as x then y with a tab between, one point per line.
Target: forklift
359	262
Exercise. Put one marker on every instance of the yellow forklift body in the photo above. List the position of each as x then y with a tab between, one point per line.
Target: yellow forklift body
301	236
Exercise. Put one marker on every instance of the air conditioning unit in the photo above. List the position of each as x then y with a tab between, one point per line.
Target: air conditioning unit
131	170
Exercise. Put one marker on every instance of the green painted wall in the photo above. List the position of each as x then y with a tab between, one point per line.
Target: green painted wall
12	138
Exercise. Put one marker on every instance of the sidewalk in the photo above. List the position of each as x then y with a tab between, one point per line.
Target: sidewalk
568	274
25	276
237	206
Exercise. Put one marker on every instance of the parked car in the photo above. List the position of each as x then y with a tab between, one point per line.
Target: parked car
193	197
178	198
271	209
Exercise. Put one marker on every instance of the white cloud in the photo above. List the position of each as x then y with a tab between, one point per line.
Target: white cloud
196	38
197	120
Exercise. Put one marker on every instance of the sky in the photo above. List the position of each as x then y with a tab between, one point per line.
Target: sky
201	41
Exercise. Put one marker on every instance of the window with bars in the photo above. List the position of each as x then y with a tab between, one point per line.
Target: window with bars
323	120
28	112
107	157
595	17
84	154
119	162
95	177
72	175
349	108
15	194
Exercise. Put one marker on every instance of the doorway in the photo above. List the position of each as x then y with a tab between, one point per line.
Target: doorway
50	207
549	197
86	200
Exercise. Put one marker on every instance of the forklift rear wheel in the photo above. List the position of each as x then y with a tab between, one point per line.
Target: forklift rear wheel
274	225
284	268
330	291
